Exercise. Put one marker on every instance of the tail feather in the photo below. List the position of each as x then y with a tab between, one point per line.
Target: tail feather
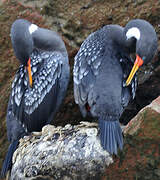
119	137
114	143
111	135
108	137
7	164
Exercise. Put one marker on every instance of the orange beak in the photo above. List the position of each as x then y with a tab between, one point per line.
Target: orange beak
138	62
29	72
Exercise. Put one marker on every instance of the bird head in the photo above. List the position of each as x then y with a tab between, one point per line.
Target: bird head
145	37
22	43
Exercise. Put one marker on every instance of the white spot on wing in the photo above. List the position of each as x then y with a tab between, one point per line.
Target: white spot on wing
133	32
32	28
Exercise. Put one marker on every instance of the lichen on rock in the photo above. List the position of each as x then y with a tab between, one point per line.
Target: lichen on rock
70	152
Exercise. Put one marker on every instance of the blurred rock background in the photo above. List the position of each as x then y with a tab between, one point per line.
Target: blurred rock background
75	20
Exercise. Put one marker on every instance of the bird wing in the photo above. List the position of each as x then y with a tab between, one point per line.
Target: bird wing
86	68
45	79
34	106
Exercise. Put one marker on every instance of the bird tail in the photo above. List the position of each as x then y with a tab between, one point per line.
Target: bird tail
7	164
110	135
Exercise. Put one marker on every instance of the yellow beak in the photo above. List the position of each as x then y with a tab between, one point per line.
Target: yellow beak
29	72
137	64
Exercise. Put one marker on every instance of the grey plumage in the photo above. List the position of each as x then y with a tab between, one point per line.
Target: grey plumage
44	78
47	74
101	68
88	77
30	108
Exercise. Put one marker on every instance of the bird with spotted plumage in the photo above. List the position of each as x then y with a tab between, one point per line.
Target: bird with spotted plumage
40	83
104	80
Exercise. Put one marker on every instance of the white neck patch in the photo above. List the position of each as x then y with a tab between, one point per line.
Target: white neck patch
133	32
32	28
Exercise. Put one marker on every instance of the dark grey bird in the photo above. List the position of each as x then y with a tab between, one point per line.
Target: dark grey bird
40	83
101	68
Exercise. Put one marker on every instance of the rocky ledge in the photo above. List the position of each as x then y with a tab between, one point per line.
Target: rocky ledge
74	152
71	152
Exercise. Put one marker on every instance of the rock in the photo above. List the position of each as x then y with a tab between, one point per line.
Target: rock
147	119
70	152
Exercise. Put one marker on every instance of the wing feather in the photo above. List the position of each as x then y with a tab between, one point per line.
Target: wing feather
34	106
86	68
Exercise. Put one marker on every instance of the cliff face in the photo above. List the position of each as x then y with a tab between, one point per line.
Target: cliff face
75	20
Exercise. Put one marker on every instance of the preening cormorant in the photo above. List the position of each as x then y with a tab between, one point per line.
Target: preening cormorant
39	85
103	80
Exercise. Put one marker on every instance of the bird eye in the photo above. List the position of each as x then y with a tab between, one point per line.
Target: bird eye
144	58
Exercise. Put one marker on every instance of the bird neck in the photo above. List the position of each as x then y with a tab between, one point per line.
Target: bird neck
47	40
118	37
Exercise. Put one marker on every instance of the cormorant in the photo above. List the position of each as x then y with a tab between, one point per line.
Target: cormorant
39	85
101	68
